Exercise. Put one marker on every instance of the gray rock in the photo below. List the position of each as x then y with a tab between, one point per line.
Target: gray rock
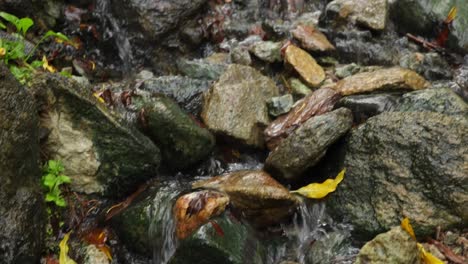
100	152
22	209
347	70
431	65
396	246
280	105
201	69
308	144
236	105
369	13
367	105
441	100
409	164
240	55
187	92
268	51
182	141
461	80
325	249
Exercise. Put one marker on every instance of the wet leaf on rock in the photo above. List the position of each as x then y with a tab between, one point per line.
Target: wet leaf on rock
320	190
64	258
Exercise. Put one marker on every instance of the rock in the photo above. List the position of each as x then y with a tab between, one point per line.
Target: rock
317	103
22	209
305	65
280	105
395	246
425	16
442	100
371	14
364	106
201	69
94	255
182	141
236	105
156	18
240	55
298	88
400	164
195	209
395	78
308	144
461	80
187	92
267	51
100	153
329	247
223	240
260	197
347	70
312	39
431	65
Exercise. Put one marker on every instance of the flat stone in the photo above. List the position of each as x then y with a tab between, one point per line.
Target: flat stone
308	144
312	39
369	13
236	105
268	51
394	78
305	65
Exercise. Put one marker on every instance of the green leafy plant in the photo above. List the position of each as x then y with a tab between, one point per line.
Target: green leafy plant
13	52
52	180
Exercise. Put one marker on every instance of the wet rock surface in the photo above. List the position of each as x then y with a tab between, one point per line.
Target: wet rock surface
260	197
364	106
395	246
370	14
395	78
22	208
304	65
236	105
391	161
312	39
308	144
83	131
268	51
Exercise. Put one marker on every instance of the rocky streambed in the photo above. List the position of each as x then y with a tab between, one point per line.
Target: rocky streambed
186	124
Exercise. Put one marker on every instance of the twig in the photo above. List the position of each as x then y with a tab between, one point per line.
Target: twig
448	252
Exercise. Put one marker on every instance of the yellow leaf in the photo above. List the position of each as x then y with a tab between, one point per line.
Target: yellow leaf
320	190
427	257
99	98
64	258
405	224
47	66
2	52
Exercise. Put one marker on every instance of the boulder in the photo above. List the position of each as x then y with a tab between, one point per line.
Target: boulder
371	14
308	144
442	100
304	65
236	105
411	164
22	208
187	92
100	152
317	103
256	194
312	39
396	246
182	141
394	78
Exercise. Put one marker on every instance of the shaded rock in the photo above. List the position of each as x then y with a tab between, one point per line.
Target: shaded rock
236	105
260	197
308	144
364	106
82	131
312	39
326	249
461	80
298	88
280	105
156	18
305	65
182	141
395	246
409	164
268	51
371	14
187	92
195	209
22	209
442	100
431	65
201	68
347	70
319	102
225	240
240	55
395	78
425	16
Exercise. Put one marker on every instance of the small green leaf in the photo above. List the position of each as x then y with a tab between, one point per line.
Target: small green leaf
10	18
36	64
50	197
64	179
2	26
60	202
58	35
49	180
24	25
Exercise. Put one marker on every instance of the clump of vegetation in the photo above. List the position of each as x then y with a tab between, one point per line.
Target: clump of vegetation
52	180
13	50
